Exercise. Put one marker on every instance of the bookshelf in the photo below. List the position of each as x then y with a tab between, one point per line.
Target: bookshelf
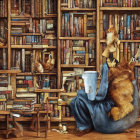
124	16
77	36
71	32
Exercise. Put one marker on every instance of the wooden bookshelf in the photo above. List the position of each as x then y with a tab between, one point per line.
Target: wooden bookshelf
78	9
76	66
131	41
48	90
119	8
76	38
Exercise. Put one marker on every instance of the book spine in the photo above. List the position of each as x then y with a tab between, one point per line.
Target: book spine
132	27
4	59
23	60
121	52
87	54
128	27
128	53
121	28
125	51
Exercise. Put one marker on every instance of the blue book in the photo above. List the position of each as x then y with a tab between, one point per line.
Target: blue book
80	52
128	22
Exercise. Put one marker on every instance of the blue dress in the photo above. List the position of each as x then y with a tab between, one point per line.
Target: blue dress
88	113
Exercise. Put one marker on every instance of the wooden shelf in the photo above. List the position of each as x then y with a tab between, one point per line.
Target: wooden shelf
44	73
25	34
21	46
47	16
68	93
2	47
137	64
9	71
120	8
48	90
76	66
131	41
52	98
68	119
31	47
78	9
4	112
77	38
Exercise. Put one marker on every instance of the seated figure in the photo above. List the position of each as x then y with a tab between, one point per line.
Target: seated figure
89	114
108	112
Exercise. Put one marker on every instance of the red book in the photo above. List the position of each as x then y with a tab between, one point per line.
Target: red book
128	3
37	26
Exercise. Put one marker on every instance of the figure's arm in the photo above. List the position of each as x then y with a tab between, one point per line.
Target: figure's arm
101	94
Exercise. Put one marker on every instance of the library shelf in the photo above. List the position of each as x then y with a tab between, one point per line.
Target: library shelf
2	47
26	34
131	41
137	64
48	90
77	38
68	119
78	9
32	47
120	8
10	71
76	66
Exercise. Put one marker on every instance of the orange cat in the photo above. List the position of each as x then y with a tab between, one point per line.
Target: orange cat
121	89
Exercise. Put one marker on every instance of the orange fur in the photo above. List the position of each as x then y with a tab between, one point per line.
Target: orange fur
121	89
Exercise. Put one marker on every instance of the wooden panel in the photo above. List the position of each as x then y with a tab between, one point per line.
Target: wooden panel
9	34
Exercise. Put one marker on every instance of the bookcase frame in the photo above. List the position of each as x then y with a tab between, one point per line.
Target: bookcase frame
60	66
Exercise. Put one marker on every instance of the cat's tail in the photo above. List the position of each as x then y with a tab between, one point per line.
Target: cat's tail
108	125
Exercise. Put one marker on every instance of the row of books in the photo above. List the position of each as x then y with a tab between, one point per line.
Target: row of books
126	50
3	8
78	24
120	3
36	41
34	8
127	25
79	3
78	52
72	80
3	29
46	82
49	7
33	26
25	60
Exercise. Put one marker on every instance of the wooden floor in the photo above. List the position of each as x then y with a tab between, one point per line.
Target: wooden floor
131	134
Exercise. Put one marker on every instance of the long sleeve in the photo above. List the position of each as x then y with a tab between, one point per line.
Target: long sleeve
101	94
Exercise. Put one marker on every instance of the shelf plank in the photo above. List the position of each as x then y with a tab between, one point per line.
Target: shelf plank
29	73
137	64
78	9
77	38
47	16
10	71
76	66
103	40
31	47
4	112
120	8
1	47
68	93
48	90
21	46
68	119
24	34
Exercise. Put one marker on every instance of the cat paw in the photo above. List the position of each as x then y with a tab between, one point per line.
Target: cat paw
115	113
